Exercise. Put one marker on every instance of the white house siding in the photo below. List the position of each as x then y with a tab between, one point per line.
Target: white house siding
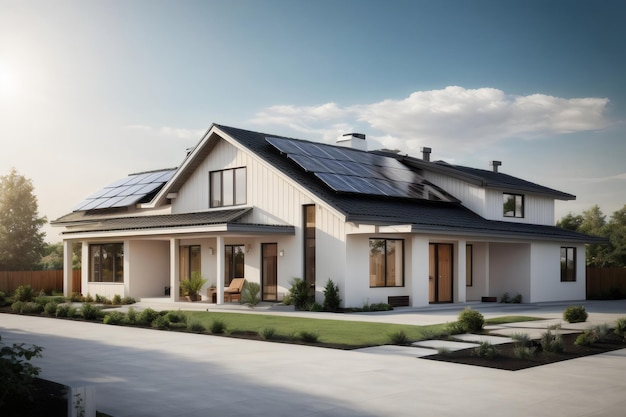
537	209
331	259
149	268
545	276
509	269
480	270
471	196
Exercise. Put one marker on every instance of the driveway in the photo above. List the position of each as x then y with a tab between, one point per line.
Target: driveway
142	372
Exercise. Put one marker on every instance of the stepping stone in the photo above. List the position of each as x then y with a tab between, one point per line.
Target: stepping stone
436	344
391	350
479	338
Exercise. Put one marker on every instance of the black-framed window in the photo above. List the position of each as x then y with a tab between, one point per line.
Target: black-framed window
234	262
106	262
227	187
469	265
189	261
309	243
568	264
513	205
386	263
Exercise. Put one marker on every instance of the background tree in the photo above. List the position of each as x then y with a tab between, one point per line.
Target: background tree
21	238
52	256
616	232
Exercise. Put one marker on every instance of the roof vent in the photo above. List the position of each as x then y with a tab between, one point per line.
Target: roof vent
426	153
353	140
495	164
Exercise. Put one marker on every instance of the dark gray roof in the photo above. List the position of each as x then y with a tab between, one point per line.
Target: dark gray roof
443	217
90	223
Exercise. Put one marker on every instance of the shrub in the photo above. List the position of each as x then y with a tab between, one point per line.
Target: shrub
522	339
31	307
486	350
443	351
160	322
299	293
128	300
551	342
147	316
586	338
50	308
251	293
398	338
524	352
131	316
268	333
505	298
575	314
89	311
117	300
16	307
380	307
176	317
331	296
315	307
24	293
76	297
66	310
471	320
194	325
88	299
17	374
218	326
193	285
455	327
620	326
517	299
101	299
115	317
308	337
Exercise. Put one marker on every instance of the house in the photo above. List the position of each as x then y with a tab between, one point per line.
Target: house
383	226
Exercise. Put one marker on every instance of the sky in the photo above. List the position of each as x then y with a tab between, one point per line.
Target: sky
91	91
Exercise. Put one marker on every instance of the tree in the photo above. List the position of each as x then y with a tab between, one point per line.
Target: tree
52	256
21	240
616	232
570	222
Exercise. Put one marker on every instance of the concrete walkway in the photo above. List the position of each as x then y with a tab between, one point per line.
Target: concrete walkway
142	372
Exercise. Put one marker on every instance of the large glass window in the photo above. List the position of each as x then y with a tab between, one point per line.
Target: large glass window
234	263
227	187
568	264
386	263
309	245
513	205
106	262
189	261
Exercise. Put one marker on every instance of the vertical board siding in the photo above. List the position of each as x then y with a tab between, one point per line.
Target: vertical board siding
39	280
606	283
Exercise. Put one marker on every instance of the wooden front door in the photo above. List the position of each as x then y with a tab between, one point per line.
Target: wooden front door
269	272
440	273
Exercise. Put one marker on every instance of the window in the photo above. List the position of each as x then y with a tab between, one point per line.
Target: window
228	187
386	263
234	262
568	264
106	262
309	244
189	261
513	205
469	262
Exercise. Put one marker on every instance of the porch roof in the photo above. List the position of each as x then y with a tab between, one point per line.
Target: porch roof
230	219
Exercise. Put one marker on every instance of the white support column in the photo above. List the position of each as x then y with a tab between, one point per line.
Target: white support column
67	268
419	271
174	269
219	268
487	273
461	271
84	275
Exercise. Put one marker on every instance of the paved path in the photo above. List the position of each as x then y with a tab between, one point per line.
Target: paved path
142	372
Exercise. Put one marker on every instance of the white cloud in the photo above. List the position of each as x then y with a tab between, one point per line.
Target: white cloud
453	118
169	131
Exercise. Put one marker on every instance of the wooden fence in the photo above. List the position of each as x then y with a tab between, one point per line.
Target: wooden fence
606	283
40	280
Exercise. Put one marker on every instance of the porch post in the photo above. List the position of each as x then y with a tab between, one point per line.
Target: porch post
461	290
219	266
84	273
174	269
487	273
419	271
67	268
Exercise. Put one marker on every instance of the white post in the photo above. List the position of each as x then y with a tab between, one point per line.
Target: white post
174	270
81	401
219	268
461	292
67	268
84	275
419	271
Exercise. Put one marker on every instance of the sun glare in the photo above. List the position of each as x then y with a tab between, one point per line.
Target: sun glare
9	83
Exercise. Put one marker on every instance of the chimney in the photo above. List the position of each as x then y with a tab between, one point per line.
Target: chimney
426	153
353	140
495	165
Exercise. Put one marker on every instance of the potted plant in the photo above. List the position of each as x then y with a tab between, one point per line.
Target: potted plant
191	287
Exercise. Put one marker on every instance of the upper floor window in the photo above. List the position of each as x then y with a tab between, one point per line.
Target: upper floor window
228	187
568	264
386	263
513	205
106	262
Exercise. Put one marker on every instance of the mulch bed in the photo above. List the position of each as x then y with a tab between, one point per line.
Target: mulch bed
48	399
506	360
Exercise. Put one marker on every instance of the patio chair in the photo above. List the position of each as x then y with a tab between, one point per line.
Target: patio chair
234	289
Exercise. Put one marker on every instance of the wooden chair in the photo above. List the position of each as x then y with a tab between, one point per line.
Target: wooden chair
234	289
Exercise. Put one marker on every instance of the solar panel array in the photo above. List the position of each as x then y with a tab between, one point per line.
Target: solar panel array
354	171
127	191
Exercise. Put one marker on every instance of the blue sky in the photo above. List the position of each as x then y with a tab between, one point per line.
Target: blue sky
91	91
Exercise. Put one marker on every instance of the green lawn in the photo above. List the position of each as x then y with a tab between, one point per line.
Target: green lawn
349	333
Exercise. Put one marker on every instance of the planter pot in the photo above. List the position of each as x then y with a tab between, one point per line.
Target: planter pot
195	297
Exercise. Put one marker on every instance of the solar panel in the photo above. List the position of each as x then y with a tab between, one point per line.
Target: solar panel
126	191
348	170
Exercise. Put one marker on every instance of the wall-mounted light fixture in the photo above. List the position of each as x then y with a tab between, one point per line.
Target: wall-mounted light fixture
281	253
